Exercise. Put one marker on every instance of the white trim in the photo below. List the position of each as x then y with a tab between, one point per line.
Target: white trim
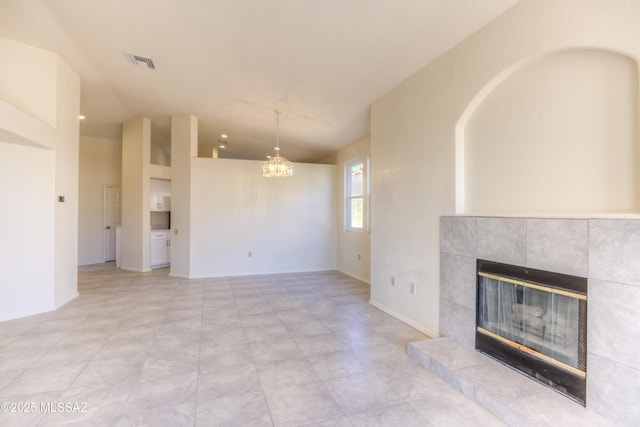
403	319
73	296
136	269
460	180
365	194
367	281
256	273
106	202
105	189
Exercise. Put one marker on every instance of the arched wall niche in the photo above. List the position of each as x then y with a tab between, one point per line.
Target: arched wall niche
557	134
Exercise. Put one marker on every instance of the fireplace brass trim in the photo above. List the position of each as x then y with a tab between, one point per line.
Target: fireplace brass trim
575	371
534	286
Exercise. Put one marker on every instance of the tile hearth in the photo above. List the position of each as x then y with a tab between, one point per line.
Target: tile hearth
509	395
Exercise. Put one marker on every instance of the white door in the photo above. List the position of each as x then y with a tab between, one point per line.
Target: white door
112	215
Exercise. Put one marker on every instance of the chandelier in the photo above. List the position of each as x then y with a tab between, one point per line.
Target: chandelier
277	166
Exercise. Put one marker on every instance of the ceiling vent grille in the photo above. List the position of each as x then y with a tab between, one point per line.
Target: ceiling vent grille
140	61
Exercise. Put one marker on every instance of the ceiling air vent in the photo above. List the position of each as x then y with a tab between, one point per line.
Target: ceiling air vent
140	61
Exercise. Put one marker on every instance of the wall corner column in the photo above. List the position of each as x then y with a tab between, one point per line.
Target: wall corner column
136	222
184	147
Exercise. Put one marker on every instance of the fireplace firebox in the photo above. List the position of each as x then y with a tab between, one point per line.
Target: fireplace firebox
535	322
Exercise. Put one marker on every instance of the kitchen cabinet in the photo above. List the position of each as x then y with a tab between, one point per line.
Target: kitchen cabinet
160	248
160	195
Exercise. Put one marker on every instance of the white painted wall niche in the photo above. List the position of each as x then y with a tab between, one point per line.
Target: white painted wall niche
554	135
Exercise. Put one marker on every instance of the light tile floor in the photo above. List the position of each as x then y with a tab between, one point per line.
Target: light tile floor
284	350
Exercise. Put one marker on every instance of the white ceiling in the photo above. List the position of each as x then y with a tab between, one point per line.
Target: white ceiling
232	62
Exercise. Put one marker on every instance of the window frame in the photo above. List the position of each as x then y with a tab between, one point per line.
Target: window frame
365	195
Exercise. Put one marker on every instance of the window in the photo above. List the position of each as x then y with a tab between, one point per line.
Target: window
356	195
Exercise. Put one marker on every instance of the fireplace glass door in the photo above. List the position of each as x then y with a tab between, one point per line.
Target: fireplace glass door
534	321
544	320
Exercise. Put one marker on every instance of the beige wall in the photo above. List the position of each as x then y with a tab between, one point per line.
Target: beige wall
558	136
353	247
136	222
39	68
413	135
66	184
184	148
27	110
38	163
27	227
100	165
287	224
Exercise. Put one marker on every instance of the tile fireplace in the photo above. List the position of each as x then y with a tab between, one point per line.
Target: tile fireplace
605	252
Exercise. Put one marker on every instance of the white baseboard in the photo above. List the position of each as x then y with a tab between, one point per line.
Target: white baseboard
136	269
362	279
401	318
255	273
70	298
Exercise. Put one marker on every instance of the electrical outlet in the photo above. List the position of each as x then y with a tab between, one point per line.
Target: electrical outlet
393	281
358	257
412	288
250	254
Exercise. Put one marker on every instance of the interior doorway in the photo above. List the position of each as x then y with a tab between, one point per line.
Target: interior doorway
112	218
